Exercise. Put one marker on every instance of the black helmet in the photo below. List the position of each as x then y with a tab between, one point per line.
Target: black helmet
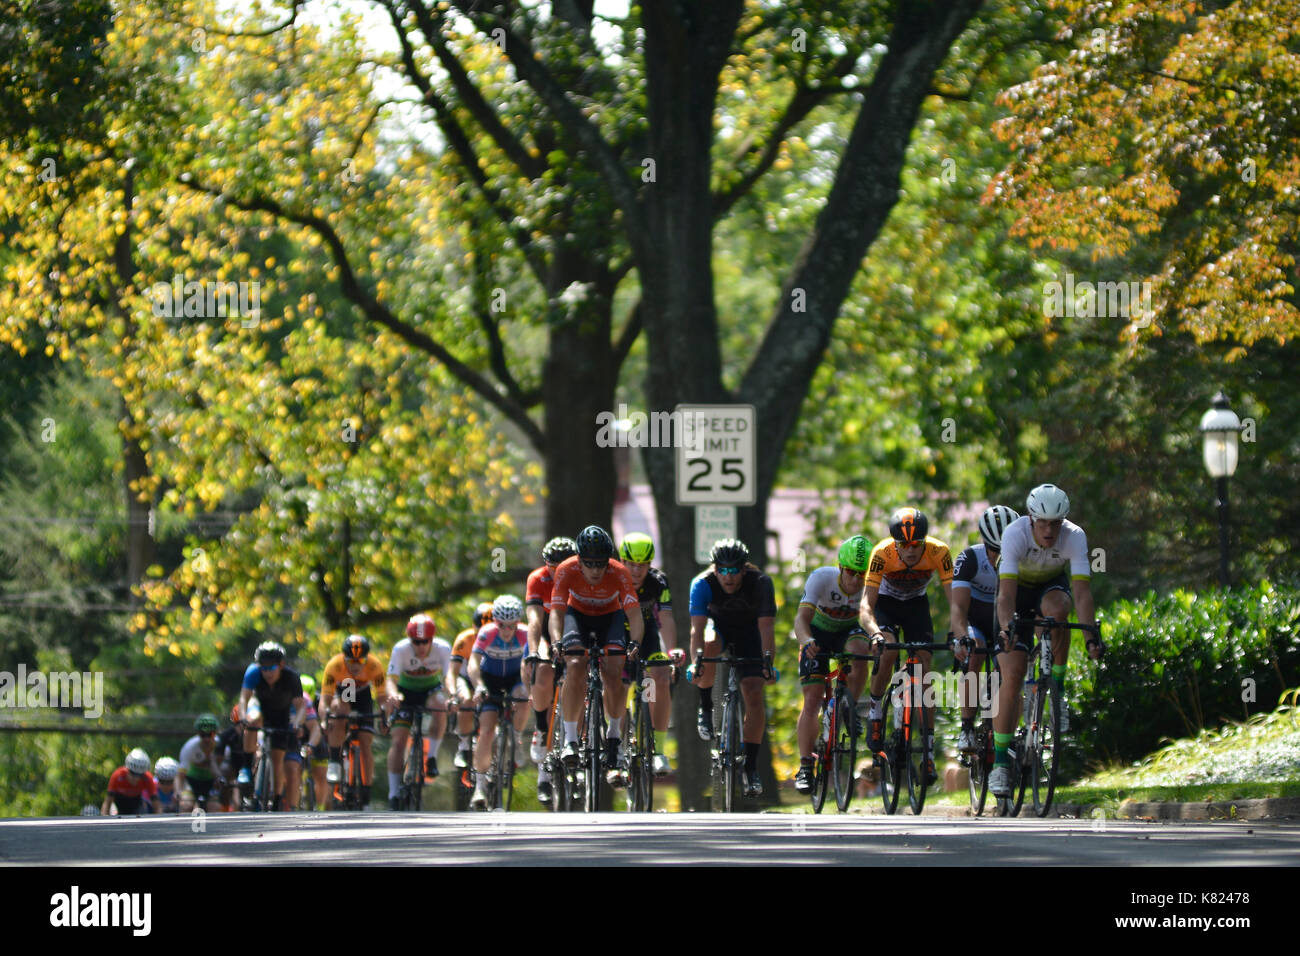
908	525
269	652
355	647
730	553
557	549
594	544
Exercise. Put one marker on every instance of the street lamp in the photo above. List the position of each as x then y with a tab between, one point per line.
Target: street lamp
1220	427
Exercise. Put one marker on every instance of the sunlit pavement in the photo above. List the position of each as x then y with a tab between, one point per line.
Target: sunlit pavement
612	839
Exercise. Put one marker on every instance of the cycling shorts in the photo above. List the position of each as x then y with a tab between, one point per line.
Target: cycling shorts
906	620
498	688
583	631
746	642
813	670
1029	599
431	697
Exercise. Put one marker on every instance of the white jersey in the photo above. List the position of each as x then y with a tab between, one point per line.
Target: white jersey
197	764
1024	561
975	573
419	673
833	610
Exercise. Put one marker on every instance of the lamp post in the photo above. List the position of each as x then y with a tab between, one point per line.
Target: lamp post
1220	427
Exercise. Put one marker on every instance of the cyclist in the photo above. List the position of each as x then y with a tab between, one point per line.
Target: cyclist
164	774
280	705
416	670
310	736
974	588
894	600
660	643
827	624
354	672
537	594
593	599
740	601
1037	550
200	761
496	670
314	740
132	787
459	687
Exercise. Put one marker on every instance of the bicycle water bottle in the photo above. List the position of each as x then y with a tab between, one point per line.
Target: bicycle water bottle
826	725
1031	690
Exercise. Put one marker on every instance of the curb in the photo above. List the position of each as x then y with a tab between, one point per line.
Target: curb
1269	808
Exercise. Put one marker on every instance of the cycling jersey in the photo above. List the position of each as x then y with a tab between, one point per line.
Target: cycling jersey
1024	561
121	784
415	673
833	610
336	672
654	596
277	697
893	578
613	592
538	589
975	573
502	653
460	651
755	598
200	767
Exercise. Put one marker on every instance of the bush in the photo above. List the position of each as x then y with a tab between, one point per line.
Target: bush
1180	662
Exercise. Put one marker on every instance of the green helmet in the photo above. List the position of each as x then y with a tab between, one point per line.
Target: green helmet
854	553
308	685
205	722
638	548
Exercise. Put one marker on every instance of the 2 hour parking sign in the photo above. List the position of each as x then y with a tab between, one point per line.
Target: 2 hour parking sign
715	455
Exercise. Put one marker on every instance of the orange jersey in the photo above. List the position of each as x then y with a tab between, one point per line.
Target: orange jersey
538	589
336	672
464	642
613	592
887	572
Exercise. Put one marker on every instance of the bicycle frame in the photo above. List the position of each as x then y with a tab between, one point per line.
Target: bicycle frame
835	751
354	783
638	741
501	772
413	771
902	750
729	754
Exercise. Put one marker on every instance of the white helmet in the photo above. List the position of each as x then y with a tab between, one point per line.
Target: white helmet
993	522
1049	502
165	769
137	761
507	609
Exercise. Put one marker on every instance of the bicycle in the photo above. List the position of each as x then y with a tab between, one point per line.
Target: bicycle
729	754
411	794
353	791
1037	747
464	784
265	795
639	740
835	752
906	748
501	772
591	747
562	784
979	762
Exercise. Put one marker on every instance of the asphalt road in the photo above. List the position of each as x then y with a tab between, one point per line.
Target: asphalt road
612	839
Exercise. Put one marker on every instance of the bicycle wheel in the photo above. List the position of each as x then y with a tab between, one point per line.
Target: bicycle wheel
890	764
645	733
845	754
1020	767
981	762
731	767
591	765
506	769
262	791
1047	748
415	756
917	741
631	753
823	757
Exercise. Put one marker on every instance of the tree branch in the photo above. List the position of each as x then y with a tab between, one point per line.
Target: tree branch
375	311
628	337
530	166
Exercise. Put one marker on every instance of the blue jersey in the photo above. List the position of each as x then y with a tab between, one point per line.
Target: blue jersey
501	654
755	598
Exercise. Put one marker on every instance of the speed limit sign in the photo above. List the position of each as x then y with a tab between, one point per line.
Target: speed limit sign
715	455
